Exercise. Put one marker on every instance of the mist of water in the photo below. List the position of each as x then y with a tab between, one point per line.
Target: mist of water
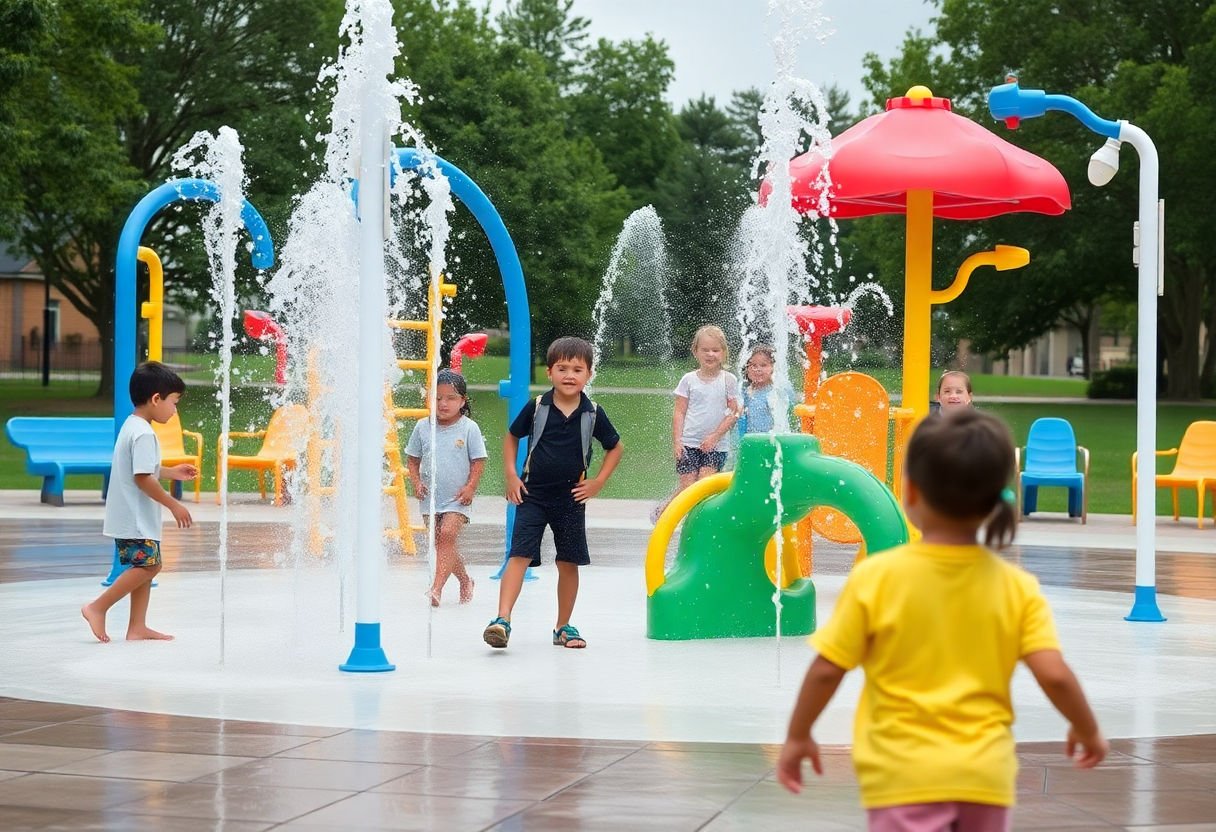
219	158
632	305
316	289
770	253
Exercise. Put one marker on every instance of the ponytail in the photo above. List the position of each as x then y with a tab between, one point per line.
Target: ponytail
1001	524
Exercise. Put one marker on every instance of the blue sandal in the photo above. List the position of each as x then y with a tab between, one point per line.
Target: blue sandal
498	633
567	636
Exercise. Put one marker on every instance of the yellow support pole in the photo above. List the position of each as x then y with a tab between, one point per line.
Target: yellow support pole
153	309
918	288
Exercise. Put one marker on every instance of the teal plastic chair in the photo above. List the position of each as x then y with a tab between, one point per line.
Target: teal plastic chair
1051	460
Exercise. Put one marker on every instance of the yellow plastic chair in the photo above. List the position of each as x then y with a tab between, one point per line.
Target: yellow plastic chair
282	441
852	420
173	449
1195	466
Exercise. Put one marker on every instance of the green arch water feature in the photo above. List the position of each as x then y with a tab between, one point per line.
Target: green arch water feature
719	587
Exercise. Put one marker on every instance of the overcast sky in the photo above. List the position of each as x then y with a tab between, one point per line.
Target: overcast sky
723	45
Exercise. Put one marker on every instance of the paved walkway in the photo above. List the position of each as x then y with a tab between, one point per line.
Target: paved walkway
532	738
70	767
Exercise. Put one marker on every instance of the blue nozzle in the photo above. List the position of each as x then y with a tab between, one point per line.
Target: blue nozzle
1010	103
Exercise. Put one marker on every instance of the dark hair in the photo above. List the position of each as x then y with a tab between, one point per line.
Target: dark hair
758	349
151	378
446	376
966	380
962	463
569	347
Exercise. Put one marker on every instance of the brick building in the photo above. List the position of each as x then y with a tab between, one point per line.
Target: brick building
74	338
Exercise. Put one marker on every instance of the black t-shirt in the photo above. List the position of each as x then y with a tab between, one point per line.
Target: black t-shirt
557	462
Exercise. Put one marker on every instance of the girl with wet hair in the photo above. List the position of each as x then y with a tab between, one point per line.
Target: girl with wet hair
459	455
939	626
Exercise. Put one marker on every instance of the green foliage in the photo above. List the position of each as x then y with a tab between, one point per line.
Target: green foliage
1152	63
620	106
110	88
1115	383
498	346
701	195
497	115
550	29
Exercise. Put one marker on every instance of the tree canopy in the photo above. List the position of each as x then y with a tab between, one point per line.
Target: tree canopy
1149	63
567	137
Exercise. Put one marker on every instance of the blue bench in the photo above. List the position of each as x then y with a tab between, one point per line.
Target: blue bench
58	446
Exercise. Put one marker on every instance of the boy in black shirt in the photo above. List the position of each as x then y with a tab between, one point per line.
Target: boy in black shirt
554	488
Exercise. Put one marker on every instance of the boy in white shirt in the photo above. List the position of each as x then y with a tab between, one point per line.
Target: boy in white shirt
134	500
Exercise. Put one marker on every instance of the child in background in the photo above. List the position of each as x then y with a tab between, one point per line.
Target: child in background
939	626
460	458
555	485
953	391
759	395
133	503
707	406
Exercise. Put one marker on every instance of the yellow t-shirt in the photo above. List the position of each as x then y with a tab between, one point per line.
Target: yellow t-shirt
938	630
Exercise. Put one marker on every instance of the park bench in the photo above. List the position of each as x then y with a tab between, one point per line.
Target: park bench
58	446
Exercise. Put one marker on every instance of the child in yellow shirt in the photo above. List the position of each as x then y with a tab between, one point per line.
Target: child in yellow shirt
938	626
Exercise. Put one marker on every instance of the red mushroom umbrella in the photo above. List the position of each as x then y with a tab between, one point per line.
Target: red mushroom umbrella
920	159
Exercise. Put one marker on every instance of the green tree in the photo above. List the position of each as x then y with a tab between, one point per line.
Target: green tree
1149	63
701	195
620	106
491	108
24	25
118	86
72	168
550	29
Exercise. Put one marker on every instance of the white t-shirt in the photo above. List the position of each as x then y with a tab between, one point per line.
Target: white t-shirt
458	445
130	513
707	407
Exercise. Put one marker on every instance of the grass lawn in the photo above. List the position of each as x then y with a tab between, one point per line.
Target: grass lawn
644	420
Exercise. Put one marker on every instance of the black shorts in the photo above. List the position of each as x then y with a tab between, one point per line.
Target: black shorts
694	459
565	515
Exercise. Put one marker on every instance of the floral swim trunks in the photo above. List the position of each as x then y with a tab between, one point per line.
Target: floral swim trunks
138	553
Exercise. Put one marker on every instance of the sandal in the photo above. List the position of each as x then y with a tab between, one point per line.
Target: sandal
432	596
498	633
567	636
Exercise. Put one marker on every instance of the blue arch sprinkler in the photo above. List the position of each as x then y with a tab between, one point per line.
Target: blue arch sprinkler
176	190
515	387
1010	103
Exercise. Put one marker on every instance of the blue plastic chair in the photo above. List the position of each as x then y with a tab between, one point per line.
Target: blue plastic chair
1051	460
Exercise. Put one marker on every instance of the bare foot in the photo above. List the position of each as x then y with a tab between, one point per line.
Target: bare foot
147	634
466	591
97	622
433	594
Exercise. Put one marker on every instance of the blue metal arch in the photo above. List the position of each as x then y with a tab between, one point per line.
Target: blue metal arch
176	190
515	388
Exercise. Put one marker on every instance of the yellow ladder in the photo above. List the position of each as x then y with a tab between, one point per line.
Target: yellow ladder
436	292
317	445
